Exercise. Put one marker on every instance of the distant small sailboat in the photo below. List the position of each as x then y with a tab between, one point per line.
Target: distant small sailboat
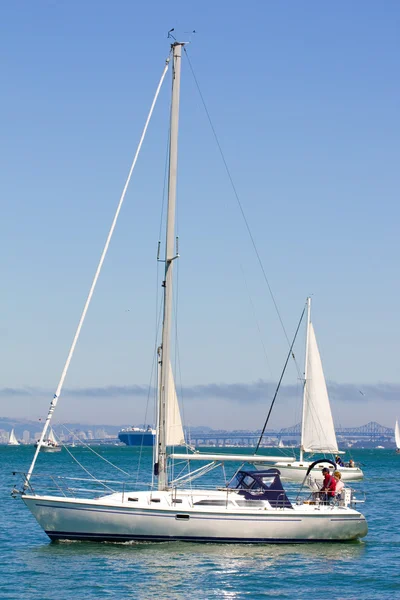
397	436
317	428
51	444
12	439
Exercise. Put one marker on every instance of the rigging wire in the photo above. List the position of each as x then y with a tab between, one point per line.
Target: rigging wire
158	305
86	471
256	320
280	381
237	198
152	374
291	354
88	447
56	396
178	369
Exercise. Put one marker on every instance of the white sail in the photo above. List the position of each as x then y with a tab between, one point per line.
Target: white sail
318	429
397	434
52	437
174	430
13	440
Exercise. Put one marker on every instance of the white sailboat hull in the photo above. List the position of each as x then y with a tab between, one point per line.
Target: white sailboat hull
49	447
296	470
107	520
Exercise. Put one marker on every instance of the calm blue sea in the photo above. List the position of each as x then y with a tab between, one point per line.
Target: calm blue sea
33	568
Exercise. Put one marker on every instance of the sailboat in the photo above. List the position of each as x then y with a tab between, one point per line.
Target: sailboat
397	436
317	428
252	507
50	444
12	439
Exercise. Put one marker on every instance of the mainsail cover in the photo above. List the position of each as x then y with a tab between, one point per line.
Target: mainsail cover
397	434
318	429
174	433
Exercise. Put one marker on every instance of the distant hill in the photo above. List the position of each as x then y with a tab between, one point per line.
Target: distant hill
21	425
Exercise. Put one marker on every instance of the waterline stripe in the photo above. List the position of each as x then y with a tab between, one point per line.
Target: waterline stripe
96	537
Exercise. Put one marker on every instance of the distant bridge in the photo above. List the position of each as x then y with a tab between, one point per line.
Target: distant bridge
371	431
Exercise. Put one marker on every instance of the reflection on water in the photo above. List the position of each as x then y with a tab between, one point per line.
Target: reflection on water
176	568
164	551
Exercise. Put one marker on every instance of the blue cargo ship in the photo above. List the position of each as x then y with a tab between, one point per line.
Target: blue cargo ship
135	436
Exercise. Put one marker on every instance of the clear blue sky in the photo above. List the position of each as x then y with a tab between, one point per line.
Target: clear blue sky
305	101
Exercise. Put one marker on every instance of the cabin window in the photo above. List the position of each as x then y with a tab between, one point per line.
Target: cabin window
268	480
212	503
236	481
248	481
250	503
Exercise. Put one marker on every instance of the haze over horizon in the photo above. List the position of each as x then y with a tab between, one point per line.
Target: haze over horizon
304	101
249	403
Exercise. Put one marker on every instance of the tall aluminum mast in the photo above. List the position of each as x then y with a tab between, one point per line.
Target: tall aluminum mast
161	451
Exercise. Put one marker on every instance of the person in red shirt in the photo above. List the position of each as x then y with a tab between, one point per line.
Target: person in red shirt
328	486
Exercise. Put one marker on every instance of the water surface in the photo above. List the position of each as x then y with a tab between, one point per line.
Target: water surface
33	568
